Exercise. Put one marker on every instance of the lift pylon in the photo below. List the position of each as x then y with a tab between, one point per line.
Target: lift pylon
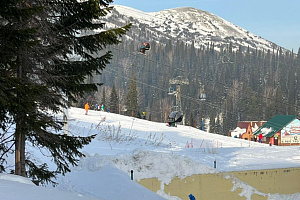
178	81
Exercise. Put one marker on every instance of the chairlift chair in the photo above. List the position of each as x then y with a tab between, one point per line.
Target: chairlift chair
202	97
174	117
226	59
171	91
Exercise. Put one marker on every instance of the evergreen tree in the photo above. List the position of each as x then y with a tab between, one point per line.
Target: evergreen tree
249	105
132	98
218	126
103	100
192	121
280	102
38	74
212	124
114	102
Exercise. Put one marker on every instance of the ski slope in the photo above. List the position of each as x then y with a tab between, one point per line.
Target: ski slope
151	150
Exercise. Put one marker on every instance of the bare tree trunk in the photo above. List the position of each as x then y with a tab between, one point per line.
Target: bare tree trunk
18	155
20	152
20	139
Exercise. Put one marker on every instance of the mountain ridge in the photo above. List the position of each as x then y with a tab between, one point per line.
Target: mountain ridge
243	79
192	26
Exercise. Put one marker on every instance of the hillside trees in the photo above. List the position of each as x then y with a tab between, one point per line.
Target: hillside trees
132	97
103	99
254	85
39	44
114	102
241	83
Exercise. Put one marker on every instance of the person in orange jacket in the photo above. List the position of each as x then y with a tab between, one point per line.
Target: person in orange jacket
86	107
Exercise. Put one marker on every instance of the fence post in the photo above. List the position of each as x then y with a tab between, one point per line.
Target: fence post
215	164
131	174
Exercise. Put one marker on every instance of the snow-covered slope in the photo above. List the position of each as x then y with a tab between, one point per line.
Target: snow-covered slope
151	150
189	25
154	150
14	187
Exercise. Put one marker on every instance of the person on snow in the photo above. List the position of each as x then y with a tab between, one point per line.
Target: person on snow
260	136
86	107
144	115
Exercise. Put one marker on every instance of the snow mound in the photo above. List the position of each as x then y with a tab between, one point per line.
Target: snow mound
15	178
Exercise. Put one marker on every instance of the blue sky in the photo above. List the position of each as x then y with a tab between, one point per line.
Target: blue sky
275	20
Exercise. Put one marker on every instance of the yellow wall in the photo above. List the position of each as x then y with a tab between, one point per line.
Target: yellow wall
229	185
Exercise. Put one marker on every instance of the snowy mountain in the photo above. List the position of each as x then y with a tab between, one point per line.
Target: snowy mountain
186	24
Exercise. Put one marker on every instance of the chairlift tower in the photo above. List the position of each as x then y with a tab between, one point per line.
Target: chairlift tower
178	81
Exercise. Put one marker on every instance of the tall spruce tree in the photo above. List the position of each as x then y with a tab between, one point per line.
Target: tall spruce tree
192	121
37	41
132	97
103	99
114	101
212	124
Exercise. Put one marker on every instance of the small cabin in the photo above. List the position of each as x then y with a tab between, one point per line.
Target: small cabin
245	129
282	130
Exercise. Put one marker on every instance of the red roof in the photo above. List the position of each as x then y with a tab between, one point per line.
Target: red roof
245	124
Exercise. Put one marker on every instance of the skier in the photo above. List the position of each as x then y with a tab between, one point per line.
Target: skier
86	107
260	136
255	138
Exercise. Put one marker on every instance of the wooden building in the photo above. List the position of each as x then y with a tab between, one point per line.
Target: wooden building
245	129
281	130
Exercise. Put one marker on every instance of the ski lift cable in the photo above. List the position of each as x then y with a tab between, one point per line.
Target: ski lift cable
160	64
235	89
166	65
187	97
164	90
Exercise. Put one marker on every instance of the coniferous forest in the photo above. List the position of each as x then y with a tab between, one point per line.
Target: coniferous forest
240	83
